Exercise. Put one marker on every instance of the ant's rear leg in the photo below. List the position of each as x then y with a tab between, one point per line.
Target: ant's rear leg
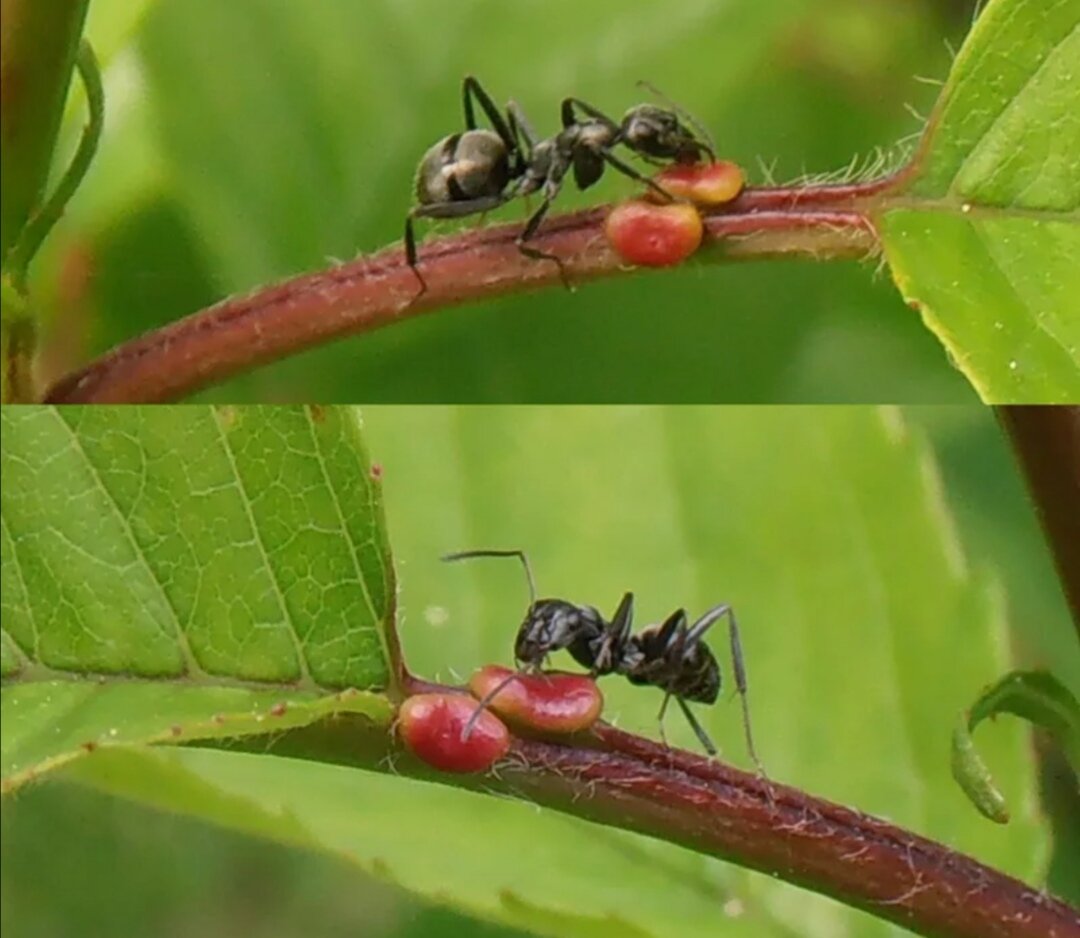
738	668
457	209
411	258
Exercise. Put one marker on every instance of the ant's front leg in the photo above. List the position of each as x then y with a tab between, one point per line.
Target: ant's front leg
627	170
569	118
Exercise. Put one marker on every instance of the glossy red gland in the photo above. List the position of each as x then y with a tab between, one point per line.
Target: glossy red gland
551	702
702	183
431	725
654	235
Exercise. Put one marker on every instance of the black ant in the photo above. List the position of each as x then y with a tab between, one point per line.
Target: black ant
671	656
479	170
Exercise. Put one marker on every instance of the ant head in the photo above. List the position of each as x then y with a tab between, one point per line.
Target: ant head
658	132
551	625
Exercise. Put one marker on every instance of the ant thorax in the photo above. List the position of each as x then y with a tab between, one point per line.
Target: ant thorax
463	166
594	135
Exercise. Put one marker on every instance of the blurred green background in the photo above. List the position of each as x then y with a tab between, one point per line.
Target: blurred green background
77	863
252	140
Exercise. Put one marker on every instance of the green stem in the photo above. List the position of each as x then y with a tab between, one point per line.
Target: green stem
41	222
39	42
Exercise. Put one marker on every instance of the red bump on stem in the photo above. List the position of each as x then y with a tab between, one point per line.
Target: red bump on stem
706	184
654	235
550	702
431	726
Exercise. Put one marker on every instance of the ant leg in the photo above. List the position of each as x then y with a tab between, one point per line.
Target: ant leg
672	625
660	718
520	128
455	209
699	731
627	170
410	256
608	655
470	89
738	668
485	702
530	229
569	118
520	554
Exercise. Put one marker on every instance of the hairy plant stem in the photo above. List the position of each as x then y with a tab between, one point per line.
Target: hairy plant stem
822	222
626	781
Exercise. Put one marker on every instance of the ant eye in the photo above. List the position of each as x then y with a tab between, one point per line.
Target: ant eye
552	702
701	183
654	235
432	725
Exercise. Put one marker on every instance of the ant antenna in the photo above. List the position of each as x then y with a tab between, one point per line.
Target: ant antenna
485	702
520	554
682	112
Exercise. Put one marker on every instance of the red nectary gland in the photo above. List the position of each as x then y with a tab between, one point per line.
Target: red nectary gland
552	701
431	725
654	235
703	183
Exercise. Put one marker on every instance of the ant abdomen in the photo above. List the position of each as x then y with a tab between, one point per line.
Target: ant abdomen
465	166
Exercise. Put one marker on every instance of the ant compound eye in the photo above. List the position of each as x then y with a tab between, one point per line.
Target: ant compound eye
432	725
654	235
701	183
551	702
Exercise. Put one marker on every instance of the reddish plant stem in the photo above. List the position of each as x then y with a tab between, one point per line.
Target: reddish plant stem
612	777
243	332
1046	441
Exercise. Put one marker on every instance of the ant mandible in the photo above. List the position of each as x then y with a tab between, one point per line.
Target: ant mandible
671	656
479	170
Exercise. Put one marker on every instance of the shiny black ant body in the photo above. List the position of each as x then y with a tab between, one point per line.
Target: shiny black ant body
479	170
671	656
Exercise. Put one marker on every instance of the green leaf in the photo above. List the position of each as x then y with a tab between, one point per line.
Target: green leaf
1036	696
195	548
864	629
984	238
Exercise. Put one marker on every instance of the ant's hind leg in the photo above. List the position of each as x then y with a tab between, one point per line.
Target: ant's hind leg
470	89
738	669
411	257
